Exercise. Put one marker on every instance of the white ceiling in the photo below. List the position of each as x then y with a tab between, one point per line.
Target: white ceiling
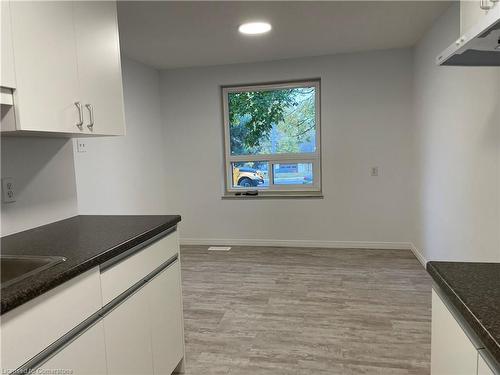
167	34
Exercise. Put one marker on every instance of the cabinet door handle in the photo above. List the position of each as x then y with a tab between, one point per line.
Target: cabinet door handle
79	124
484	4
91	115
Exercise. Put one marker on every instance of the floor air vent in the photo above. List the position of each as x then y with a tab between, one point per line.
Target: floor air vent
219	248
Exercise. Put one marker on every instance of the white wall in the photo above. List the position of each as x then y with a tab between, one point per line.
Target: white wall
125	175
44	180
366	121
457	135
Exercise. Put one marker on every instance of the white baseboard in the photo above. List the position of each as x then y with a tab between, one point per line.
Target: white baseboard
418	254
298	243
305	243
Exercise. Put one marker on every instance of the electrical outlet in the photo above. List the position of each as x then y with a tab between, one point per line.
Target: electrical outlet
8	191
81	145
374	171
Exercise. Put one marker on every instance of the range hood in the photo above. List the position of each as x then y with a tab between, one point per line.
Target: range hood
480	46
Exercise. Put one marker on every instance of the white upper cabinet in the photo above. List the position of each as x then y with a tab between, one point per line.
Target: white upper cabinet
99	67
7	73
46	69
67	68
473	11
7	76
477	44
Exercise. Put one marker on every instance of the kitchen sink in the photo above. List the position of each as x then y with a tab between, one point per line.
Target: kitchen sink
14	268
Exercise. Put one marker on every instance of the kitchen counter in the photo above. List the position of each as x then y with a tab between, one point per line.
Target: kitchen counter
85	241
474	290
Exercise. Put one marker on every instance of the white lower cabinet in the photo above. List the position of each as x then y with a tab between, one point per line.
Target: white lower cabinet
165	316
32	327
134	306
144	334
452	353
128	337
84	356
482	366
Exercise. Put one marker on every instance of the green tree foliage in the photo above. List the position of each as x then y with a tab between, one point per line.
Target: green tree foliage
299	122
239	135
265	108
254	115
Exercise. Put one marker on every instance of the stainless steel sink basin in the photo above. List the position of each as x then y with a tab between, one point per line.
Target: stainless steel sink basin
15	268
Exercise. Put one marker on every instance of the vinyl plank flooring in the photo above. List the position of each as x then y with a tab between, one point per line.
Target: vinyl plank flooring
297	311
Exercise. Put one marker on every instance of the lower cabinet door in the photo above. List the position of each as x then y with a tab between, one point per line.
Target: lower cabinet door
452	353
165	309
145	334
128	337
482	366
85	355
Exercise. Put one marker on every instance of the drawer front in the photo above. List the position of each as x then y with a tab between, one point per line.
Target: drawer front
31	327
121	276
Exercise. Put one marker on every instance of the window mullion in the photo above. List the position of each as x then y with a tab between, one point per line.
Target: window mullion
271	175
275	157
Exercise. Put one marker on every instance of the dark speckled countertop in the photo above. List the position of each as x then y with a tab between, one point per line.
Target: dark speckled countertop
85	241
474	290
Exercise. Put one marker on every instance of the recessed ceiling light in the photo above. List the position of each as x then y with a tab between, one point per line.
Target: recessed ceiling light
254	28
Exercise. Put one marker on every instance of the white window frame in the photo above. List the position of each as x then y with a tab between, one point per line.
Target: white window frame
313	189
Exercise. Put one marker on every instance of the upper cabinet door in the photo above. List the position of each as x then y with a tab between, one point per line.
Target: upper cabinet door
473	11
99	67
7	75
45	62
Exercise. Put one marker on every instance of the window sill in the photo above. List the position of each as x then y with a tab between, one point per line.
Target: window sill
276	195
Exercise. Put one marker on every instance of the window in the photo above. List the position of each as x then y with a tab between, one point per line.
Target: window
272	138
